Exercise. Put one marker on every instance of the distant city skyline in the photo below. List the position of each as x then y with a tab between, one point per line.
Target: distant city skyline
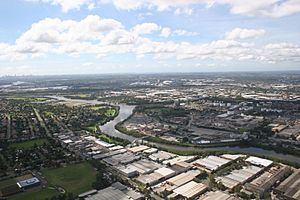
53	37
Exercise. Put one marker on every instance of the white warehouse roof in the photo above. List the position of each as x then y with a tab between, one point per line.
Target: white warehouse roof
259	161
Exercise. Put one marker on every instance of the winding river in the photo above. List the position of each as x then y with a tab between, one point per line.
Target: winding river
109	128
126	110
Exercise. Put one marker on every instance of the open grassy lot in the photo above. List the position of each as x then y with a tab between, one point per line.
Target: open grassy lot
110	112
92	129
36	194
48	114
8	182
29	144
96	107
76	178
29	98
13	181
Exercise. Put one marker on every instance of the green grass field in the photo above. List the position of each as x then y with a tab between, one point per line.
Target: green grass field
29	144
7	182
48	114
92	129
110	112
33	194
37	194
96	107
77	178
29	98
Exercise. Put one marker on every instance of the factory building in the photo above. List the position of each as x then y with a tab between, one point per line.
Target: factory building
189	190
211	163
265	181
217	195
138	149
161	156
183	178
179	159
115	191
29	183
238	177
156	177
290	187
261	162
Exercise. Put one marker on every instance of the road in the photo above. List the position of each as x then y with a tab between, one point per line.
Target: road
37	114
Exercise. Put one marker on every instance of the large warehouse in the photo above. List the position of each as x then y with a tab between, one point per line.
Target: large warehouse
290	187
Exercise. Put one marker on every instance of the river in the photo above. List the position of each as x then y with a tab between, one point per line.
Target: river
109	128
126	110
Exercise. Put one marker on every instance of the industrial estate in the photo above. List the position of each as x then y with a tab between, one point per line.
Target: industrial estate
182	136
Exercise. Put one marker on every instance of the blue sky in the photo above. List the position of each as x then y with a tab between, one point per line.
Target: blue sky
129	36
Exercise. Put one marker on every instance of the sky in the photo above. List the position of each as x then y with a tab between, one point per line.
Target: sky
48	37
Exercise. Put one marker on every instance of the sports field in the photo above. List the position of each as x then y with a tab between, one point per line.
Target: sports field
76	178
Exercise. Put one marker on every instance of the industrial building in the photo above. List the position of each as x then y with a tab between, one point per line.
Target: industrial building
124	158
238	177
156	177
189	190
138	149
116	191
109	154
144	166
183	178
261	162
29	183
171	184
178	160
150	179
217	195
181	167
265	181
165	172
232	156
161	156
211	163
150	151
136	168
127	171
290	187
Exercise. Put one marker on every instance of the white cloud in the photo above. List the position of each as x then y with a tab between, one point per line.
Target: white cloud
239	33
185	11
268	8
103	37
57	31
91	6
182	32
145	28
128	4
165	32
87	64
67	5
142	16
283	45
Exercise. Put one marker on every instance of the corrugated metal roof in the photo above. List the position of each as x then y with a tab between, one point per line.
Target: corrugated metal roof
191	189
